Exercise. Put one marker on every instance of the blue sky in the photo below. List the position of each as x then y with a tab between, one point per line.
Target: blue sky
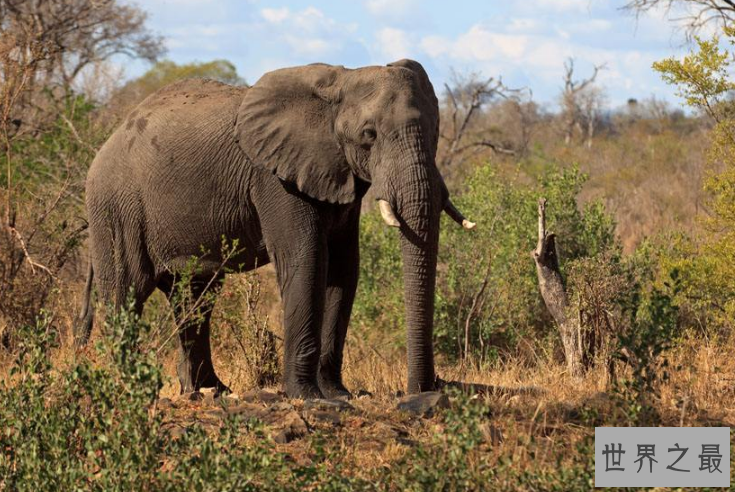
524	41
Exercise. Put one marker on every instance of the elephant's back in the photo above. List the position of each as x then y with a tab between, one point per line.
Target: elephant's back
175	163
196	93
172	125
182	117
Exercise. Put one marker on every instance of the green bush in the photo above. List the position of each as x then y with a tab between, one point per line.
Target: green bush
46	203
486	282
84	427
92	426
652	326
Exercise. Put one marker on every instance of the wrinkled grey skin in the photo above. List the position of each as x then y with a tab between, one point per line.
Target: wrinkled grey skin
282	167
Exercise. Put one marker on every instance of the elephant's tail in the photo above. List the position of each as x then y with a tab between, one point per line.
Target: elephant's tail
83	324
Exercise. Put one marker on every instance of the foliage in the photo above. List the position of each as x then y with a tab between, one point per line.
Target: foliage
487	292
703	80
453	460
240	310
86	425
93	426
596	286
652	328
458	457
379	302
44	207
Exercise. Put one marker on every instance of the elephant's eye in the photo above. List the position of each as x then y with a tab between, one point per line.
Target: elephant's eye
368	136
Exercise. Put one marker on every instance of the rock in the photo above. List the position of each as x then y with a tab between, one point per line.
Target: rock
384	431
247	410
208	395
176	431
283	437
327	404
227	400
215	413
164	404
193	396
263	396
423	404
325	416
294	427
281	406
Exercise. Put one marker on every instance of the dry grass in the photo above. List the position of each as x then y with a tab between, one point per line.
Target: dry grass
541	412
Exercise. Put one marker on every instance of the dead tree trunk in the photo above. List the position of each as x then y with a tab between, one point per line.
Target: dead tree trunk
554	294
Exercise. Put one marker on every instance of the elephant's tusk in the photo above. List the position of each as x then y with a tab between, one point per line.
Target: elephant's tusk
457	216
386	211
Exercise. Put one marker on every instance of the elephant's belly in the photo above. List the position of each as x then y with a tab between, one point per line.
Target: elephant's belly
185	241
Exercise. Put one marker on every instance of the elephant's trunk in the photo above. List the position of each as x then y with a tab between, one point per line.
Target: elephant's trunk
419	199
419	249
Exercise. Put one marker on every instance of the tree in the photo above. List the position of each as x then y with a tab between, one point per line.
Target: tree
704	81
553	291
68	36
46	139
581	103
464	102
693	14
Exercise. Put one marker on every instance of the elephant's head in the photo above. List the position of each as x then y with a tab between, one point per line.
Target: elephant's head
331	132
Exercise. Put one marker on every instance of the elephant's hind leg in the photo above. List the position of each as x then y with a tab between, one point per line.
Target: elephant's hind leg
192	305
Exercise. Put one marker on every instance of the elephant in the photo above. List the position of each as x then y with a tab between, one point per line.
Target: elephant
281	167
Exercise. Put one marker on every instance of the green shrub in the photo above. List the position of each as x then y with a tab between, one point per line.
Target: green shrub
84	425
45	207
651	328
92	426
487	294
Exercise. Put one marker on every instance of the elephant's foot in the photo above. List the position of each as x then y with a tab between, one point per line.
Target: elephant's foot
215	382
333	388
204	378
303	391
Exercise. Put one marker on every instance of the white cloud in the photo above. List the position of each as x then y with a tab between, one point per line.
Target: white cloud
478	43
182	2
308	33
275	16
310	47
435	46
312	19
393	44
538	59
208	37
392	9
590	26
523	24
560	5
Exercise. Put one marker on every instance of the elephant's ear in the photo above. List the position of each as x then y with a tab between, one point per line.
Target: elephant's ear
427	90
286	124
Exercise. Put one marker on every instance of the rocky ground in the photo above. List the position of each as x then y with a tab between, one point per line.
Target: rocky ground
374	423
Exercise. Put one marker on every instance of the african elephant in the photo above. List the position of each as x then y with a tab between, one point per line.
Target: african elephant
282	168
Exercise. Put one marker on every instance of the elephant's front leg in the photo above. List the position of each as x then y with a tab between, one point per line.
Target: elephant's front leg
342	273
302	276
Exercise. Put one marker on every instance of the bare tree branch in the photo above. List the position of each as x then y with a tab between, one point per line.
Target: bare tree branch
580	102
464	102
691	15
